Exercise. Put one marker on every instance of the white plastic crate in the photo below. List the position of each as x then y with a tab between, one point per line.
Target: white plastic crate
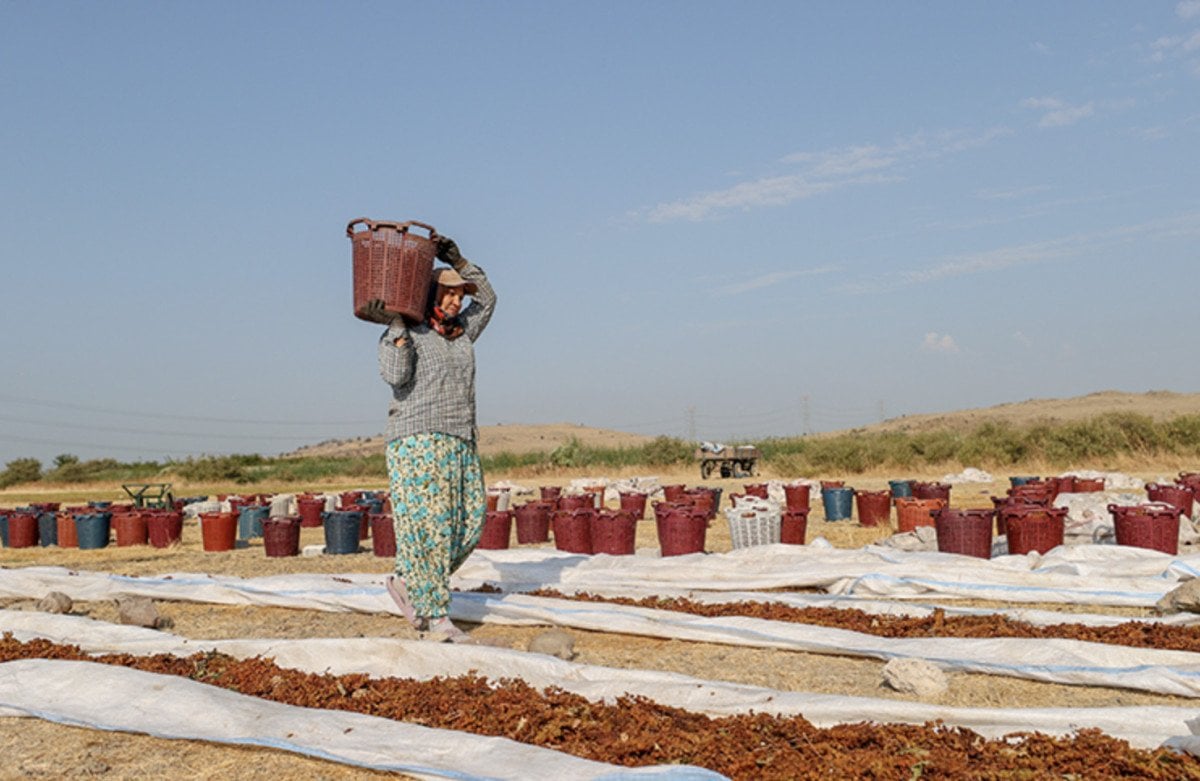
753	521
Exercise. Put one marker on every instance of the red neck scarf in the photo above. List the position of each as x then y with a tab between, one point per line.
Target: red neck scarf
448	327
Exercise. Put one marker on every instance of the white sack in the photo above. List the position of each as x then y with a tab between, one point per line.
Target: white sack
969	475
283	505
1113	481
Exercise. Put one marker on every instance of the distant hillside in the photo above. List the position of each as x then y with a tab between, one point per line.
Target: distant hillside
496	439
1158	405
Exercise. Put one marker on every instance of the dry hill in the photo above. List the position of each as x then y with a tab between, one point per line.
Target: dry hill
498	439
1158	405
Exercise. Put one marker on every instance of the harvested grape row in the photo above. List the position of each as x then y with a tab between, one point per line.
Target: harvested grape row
635	731
1136	634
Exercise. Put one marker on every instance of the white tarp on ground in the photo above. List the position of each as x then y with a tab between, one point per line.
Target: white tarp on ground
1143	726
886	608
1056	661
1083	574
364	593
84	694
968	475
1050	660
1090	521
614	487
1079	575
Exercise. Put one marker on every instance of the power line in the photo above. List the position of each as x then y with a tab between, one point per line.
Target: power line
59	443
145	432
192	418
778	413
645	424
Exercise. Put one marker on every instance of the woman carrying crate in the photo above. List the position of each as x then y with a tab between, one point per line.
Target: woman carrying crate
437	488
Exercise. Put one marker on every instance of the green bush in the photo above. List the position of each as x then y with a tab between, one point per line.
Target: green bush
573	454
665	451
21	470
69	472
102	469
1117	433
216	469
505	461
1182	435
994	443
989	445
568	454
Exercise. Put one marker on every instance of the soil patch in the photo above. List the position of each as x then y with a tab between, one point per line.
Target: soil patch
36	749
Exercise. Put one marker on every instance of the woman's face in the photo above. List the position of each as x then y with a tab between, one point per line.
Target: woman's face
450	300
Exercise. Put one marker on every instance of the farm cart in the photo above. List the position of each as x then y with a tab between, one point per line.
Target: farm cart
150	495
740	461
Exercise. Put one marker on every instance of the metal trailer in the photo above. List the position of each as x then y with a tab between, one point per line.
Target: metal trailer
150	495
740	461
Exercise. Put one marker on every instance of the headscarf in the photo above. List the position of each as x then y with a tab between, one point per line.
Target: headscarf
449	327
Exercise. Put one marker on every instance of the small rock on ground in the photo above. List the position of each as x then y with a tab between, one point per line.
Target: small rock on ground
55	602
140	611
915	676
1185	596
554	642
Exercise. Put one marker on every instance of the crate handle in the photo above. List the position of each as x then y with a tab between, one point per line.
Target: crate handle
433	234
399	226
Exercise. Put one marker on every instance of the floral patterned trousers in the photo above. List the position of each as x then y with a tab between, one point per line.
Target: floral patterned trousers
439	504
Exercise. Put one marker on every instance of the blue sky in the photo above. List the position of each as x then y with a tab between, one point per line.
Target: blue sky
727	220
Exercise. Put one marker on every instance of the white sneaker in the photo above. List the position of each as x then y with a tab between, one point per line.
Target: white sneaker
399	594
443	630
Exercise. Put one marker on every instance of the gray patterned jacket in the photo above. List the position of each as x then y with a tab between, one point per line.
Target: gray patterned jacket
433	378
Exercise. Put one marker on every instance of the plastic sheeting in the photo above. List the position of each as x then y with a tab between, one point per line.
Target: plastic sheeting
334	593
871	577
121	699
1189	743
1084	574
363	593
614	487
1050	660
887	608
968	475
1055	661
1144	726
1089	520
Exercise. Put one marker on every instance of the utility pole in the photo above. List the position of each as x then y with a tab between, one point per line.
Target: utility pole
882	411
690	412
805	414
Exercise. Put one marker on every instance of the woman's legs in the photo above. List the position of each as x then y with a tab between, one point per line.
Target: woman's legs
473	507
438	504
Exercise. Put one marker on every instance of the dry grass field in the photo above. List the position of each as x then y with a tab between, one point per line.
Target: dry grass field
516	438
